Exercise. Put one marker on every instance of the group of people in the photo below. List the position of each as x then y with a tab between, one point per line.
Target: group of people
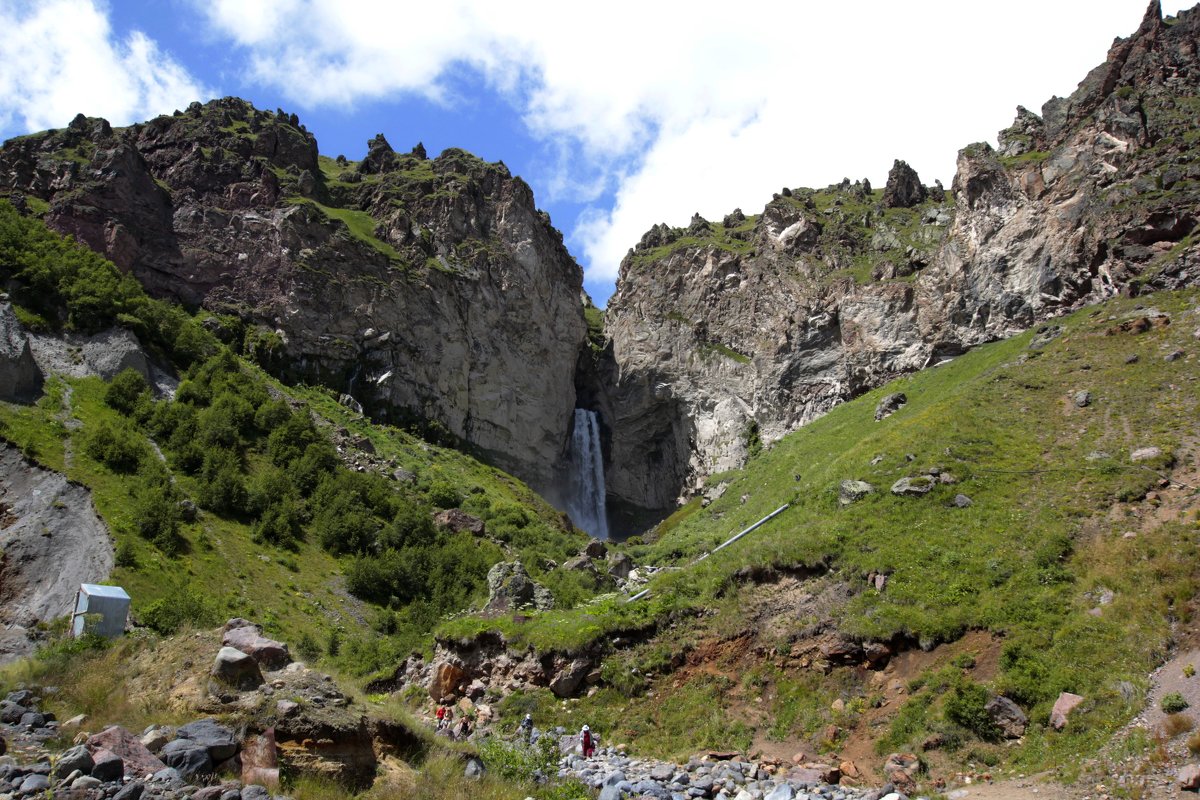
445	722
587	742
525	731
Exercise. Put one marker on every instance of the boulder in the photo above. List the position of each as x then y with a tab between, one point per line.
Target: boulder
1007	716
32	784
475	768
962	501
20	377
511	588
130	791
1145	454
1063	706
851	491
215	737
1189	778
77	758
595	549
107	766
446	679
580	563
457	520
889	405
154	739
237	669
260	760
913	486
901	770
904	188
619	565
269	653
1082	398
567	680
138	760
188	758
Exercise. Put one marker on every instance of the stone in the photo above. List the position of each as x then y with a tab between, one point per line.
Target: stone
457	520
447	678
32	719
889	405
1007	716
107	766
475	768
255	792
187	757
237	669
76	758
609	793
913	486
566	681
962	501
781	792
31	784
21	378
1189	777
510	588
1083	398
77	721
901	770
260	761
269	654
85	782
904	188
851	491
1174	355
215	737
595	549
138	760
130	791
1145	454
1063	706
620	565
154	739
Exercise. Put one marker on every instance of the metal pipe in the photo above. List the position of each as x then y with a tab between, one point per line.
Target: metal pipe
723	544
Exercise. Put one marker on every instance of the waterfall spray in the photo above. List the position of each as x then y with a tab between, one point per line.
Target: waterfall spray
586	505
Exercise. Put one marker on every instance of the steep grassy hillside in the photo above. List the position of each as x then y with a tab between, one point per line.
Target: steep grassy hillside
239	496
1064	565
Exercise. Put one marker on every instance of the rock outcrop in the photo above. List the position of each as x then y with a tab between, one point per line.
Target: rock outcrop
20	377
431	291
728	340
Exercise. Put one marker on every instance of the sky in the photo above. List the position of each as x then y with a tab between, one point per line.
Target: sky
620	115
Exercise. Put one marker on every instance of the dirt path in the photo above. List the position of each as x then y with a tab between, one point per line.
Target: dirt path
52	541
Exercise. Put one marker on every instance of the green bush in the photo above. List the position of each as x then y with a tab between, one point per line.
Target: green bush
1173	703
183	606
221	485
443	494
126	390
965	706
117	447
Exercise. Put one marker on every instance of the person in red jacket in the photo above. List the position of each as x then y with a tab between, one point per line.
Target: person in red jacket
441	716
587	742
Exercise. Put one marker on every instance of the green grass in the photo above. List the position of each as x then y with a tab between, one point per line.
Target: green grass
360	225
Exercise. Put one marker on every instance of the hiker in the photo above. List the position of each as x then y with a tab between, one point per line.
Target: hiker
464	727
587	742
441	716
448	720
525	729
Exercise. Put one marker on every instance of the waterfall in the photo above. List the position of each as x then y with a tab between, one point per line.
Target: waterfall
586	503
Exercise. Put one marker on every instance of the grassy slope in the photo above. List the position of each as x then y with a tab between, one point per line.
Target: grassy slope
1025	561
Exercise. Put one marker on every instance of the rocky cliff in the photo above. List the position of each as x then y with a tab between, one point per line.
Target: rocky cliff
426	289
725	336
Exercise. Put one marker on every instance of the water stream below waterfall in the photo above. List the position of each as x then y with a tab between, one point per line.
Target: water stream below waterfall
586	505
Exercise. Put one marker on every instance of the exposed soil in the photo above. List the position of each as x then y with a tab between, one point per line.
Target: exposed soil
52	541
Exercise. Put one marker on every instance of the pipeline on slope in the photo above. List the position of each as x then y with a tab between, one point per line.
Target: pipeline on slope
724	544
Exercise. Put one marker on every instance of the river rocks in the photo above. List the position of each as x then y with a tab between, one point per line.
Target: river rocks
851	491
1007	716
237	669
1063	706
511	588
20	377
890	404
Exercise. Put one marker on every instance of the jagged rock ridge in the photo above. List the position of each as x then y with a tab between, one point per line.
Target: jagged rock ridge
725	336
430	290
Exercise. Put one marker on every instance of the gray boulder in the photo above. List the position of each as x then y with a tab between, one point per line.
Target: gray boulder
237	669
913	487
889	405
1083	398
1007	716
510	588
130	791
21	378
32	784
188	758
77	758
851	491
475	768
215	737
107	766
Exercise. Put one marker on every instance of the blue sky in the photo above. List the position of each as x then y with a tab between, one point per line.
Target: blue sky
619	115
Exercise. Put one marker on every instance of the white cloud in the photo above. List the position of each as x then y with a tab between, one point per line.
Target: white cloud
61	58
704	106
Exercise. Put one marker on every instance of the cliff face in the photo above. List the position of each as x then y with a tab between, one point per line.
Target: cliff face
430	290
725	336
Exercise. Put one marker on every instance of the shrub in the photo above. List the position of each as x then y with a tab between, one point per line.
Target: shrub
965	707
1176	724
125	390
221	486
184	606
1173	703
156	514
442	494
307	647
1193	743
126	555
117	447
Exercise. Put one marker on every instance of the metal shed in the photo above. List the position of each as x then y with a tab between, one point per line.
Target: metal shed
100	609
